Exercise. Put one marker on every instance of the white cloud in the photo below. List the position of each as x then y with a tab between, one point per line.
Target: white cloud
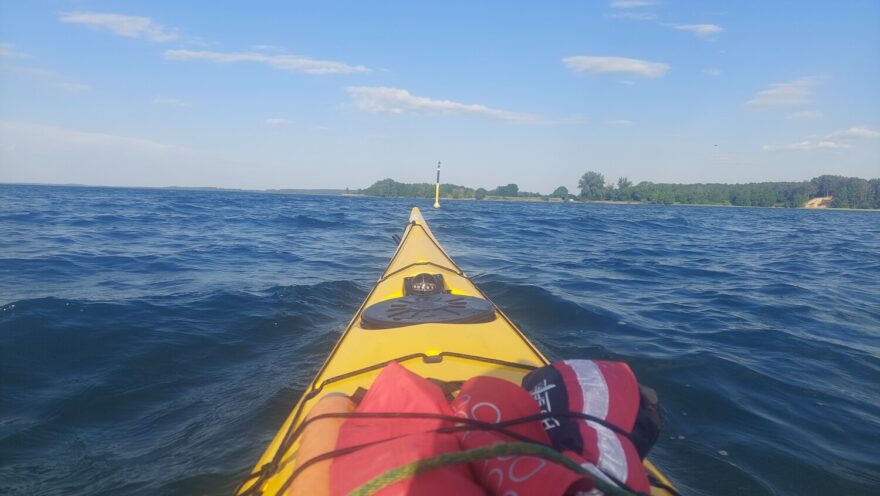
47	77
587	63
57	135
123	25
796	92
620	122
268	48
277	121
701	30
282	62
711	71
806	115
41	76
833	141
807	145
855	132
632	4
628	10
635	16
171	102
8	51
397	101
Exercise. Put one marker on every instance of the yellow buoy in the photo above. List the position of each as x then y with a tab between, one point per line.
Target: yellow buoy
437	188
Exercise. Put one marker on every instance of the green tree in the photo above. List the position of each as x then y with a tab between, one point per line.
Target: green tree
623	189
391	188
509	190
480	193
841	199
666	197
560	192
592	185
874	193
858	190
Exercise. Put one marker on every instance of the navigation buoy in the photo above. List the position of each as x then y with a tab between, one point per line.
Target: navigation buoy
437	188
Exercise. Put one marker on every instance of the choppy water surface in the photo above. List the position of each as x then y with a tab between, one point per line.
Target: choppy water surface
151	341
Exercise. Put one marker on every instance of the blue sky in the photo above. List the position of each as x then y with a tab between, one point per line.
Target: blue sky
321	94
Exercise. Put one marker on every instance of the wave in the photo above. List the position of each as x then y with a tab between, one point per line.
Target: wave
145	379
153	341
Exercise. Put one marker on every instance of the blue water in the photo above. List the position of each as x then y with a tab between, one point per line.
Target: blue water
152	341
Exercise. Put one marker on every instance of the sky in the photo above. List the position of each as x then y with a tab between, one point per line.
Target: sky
262	95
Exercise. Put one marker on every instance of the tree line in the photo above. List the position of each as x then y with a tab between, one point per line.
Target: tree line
847	192
394	189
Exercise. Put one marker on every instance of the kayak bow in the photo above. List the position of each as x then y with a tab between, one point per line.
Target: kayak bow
469	337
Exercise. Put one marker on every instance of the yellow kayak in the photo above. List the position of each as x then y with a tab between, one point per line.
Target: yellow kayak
469	337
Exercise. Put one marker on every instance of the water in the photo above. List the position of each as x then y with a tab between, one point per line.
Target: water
152	342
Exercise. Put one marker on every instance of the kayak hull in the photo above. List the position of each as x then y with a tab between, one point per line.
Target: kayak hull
448	352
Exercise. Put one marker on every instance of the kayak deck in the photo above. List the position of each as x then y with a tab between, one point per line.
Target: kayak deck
444	351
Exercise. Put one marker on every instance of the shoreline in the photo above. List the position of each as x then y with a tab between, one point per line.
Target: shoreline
341	192
612	202
616	202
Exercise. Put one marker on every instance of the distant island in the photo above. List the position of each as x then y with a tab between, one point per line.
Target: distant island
825	191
